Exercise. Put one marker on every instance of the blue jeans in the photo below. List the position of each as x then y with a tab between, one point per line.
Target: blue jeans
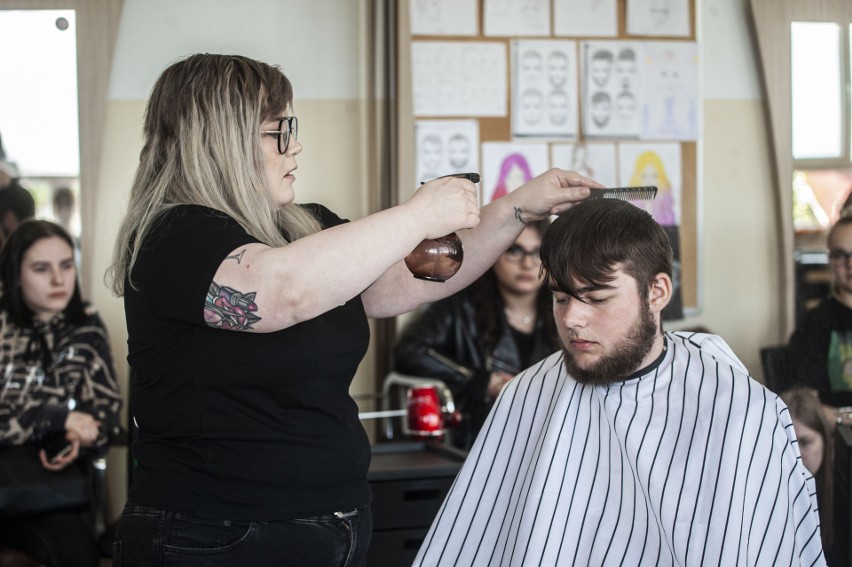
159	538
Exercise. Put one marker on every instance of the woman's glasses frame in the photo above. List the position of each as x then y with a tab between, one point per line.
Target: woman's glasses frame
516	254
283	133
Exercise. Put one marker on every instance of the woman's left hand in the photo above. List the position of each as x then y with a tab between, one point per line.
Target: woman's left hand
550	193
61	462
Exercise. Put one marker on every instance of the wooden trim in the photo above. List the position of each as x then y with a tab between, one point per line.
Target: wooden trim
771	20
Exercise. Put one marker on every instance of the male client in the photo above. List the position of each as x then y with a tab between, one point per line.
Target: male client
631	446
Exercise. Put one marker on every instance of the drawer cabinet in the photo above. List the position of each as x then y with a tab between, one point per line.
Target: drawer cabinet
409	482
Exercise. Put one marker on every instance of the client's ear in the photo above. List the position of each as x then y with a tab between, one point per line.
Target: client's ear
660	292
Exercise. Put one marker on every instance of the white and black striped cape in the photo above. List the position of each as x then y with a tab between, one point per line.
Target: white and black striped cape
690	463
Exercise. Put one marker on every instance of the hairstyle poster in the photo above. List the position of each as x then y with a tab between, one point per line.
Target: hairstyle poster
670	82
668	18
445	147
593	159
544	88
611	89
659	165
459	78
508	165
585	18
444	17
516	17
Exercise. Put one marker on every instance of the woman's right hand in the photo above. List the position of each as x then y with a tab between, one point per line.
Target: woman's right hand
445	205
83	427
60	463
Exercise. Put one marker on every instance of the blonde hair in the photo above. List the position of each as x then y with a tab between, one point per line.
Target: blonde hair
201	147
654	160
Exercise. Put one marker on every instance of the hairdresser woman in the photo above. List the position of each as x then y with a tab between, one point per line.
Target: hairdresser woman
247	319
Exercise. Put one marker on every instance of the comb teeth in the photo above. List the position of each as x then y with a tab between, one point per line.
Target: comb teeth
645	193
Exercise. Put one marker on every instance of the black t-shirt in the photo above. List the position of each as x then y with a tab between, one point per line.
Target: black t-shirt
238	425
821	352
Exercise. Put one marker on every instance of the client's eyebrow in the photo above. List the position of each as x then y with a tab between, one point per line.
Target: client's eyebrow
579	291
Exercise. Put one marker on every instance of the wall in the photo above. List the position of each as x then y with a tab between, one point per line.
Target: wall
321	46
739	254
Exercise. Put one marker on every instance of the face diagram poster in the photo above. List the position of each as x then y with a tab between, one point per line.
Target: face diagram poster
517	17
585	18
668	18
670	84
459	78
445	147
611	89
443	17
544	88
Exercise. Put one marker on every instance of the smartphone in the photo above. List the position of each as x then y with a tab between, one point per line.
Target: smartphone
56	447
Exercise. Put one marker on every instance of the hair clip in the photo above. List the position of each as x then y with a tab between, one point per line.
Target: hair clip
645	193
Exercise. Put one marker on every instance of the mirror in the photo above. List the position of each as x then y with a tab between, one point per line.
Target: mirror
39	122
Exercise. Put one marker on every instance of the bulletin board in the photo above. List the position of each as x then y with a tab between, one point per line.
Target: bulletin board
510	88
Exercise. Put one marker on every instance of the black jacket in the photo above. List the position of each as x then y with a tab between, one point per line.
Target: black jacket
444	343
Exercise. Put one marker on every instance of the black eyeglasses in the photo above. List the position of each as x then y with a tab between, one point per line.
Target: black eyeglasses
516	254
283	132
839	255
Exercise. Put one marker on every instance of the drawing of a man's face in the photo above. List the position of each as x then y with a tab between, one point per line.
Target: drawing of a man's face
431	153
601	109
531	66
557	68
557	107
625	106
532	104
601	67
458	149
625	67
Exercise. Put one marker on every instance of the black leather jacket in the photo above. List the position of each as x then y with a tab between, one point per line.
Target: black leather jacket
444	343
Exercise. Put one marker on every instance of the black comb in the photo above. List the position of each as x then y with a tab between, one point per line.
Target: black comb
474	177
645	193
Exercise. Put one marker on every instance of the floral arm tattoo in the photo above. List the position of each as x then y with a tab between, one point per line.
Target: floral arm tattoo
227	308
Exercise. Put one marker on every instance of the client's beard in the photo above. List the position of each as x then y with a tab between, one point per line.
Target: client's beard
626	357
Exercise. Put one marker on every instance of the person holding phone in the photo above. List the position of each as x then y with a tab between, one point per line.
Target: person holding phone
247	320
478	339
58	390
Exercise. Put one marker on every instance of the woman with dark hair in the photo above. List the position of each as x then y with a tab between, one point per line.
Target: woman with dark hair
817	449
57	383
478	339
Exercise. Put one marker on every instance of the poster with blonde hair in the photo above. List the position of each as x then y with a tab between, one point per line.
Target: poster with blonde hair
656	164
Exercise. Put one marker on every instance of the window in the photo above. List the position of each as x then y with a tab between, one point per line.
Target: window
820	60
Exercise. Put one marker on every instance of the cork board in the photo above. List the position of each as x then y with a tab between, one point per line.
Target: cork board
500	128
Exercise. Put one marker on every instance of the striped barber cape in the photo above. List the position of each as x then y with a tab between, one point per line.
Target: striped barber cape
688	462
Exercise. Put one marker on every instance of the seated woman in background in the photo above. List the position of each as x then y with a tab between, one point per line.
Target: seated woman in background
477	339
56	381
816	447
